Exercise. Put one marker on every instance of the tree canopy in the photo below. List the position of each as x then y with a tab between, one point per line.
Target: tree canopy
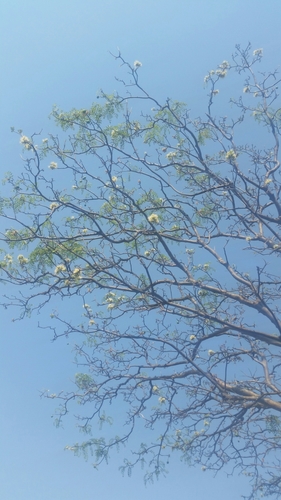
160	230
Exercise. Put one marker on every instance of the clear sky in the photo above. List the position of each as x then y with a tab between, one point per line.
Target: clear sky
57	52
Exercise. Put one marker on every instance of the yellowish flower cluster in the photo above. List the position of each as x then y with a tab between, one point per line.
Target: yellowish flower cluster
110	298
60	269
153	218
25	141
53	165
76	272
8	261
221	73
231	155
258	52
22	260
171	156
53	206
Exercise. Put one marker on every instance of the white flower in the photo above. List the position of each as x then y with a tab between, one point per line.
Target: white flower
114	179
137	64
53	206
267	181
162	400
60	269
8	260
53	165
25	141
211	353
231	155
225	64
76	271
192	337
258	52
153	218
45	140
22	260
221	73
170	156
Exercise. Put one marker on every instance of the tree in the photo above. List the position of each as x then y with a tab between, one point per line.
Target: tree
169	238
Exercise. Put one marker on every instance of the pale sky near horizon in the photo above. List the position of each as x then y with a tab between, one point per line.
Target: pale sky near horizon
58	52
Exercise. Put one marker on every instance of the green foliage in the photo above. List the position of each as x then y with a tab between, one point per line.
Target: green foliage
203	135
84	381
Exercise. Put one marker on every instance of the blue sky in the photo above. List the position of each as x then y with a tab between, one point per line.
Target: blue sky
57	52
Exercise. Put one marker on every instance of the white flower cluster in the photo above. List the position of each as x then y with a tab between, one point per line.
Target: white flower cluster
231	155
171	156
60	269
137	64
112	300
153	218
258	53
76	272
221	72
22	260
53	165
8	260
53	206
26	142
